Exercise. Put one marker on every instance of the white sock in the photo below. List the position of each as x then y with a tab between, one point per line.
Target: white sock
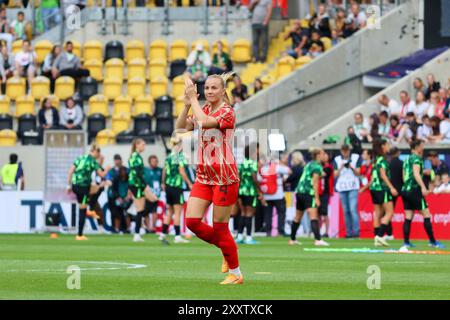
236	271
249	238
240	237
177	237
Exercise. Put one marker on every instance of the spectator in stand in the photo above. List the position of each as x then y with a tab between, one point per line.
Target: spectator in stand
5	33
335	39
442	99
444	187
409	129
71	115
439	167
432	86
68	64
444	130
435	125
25	62
436	109
407	105
261	14
339	22
322	22
383	126
374	123
365	170
389	105
48	118
48	63
422	105
258	85
299	38
12	175
50	13
20	27
297	165
395	127
315	46
361	126
326	190
425	130
221	62
6	66
419	86
198	63
447	103
239	92
356	19
347	171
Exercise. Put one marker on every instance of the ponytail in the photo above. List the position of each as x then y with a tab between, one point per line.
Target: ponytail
134	144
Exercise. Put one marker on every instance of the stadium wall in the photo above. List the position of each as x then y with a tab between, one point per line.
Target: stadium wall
295	104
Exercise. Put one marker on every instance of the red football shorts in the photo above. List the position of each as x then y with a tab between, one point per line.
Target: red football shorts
225	195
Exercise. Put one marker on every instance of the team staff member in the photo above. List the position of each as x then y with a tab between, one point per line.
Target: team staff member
153	178
137	185
173	175
12	173
382	191
414	192
79	181
307	196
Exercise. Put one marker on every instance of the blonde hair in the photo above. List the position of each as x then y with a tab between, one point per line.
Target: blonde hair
134	144
224	77
315	152
95	147
297	158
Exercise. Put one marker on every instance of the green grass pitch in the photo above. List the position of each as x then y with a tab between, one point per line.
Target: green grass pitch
34	267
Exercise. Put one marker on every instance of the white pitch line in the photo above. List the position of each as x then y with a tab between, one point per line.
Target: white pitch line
122	265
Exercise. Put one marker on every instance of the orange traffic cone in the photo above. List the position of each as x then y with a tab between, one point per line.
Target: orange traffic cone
53	236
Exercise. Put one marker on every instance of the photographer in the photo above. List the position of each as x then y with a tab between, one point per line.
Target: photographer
346	171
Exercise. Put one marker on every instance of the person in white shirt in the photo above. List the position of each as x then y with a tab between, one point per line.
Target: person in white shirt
444	186
407	105
361	127
25	62
389	105
198	63
422	105
444	129
425	130
358	17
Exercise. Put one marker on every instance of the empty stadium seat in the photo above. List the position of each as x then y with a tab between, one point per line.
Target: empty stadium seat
114	68
95	67
142	125
122	105
204	42
164	107
301	61
16	46
26	123
7	138
267	80
177	68
178	50
135	49
64	87
105	136
98	104
24	105
136	68
112	88
143	105
5	104
179	106
178	87
40	87
6	121
157	68
92	50
241	51
42	48
157	50
158	87
113	49
326	43
136	87
285	66
120	123
15	87
88	88
95	123
76	48
164	126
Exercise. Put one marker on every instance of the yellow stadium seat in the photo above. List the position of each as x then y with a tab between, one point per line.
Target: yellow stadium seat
8	138
285	66
15	87
178	86
16	46
64	87
95	68
120	123
40	87
241	51
151	4
25	105
91	3
112	88
5	105
76	48
267	80
136	68
92	50
136	87
122	105
226	46
204	42
301	61
157	50
179	106
114	68
178	50
158	87
157	68
134	49
53	98
105	137
42	48
143	105
326	43
109	3
98	104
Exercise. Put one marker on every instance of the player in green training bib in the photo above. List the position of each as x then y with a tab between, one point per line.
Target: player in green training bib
248	193
381	190
80	182
414	192
308	198
137	185
173	176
